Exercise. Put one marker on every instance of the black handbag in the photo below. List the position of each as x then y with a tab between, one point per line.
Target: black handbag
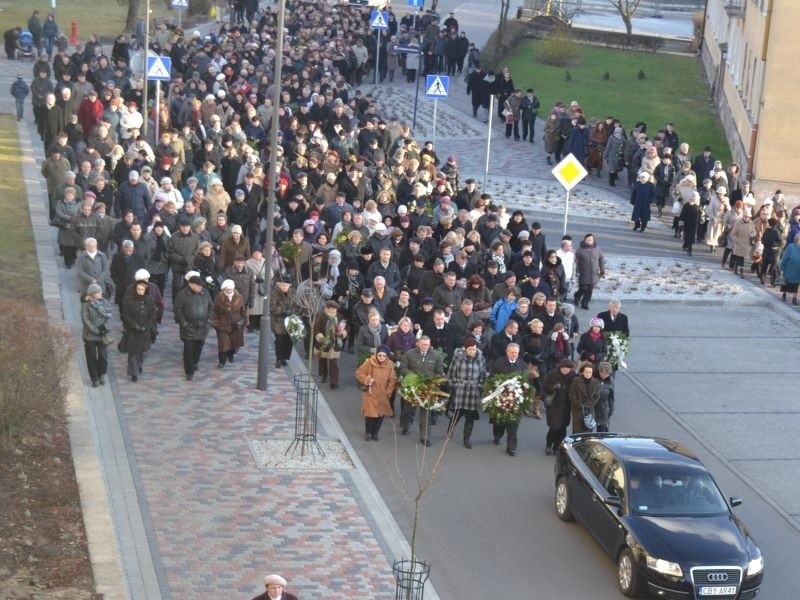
122	345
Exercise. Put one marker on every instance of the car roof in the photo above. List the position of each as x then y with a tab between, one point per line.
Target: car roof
643	454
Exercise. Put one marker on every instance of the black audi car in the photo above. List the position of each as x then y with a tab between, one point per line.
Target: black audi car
655	509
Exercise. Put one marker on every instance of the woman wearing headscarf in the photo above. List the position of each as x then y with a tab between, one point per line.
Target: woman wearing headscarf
465	377
592	346
139	314
229	318
96	320
377	378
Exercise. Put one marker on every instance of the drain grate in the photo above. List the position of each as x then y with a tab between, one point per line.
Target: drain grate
271	453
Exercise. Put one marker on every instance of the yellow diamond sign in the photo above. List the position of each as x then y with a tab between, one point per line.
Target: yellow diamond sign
569	172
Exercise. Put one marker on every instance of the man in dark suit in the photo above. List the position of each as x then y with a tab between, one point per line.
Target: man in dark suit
423	360
254	197
510	363
501	340
613	320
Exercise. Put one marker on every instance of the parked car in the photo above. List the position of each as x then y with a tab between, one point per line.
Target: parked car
655	509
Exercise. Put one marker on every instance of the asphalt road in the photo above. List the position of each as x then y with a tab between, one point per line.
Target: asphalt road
490	516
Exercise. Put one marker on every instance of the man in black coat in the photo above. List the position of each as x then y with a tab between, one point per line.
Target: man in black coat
502	339
510	363
613	320
440	334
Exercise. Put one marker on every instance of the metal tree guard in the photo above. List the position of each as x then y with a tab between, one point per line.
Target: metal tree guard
411	576
305	416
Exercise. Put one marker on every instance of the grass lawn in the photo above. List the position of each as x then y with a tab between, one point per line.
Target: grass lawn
19	270
106	18
673	90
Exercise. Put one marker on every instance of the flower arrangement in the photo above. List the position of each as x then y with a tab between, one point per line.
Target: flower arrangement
295	328
340	239
425	392
506	398
289	251
618	349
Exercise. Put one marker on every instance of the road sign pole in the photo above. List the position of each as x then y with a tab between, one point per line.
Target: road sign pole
378	57
435	108
146	45
416	92
488	141
158	110
566	212
180	14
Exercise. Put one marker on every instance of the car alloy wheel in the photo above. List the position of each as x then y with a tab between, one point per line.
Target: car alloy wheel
626	574
563	509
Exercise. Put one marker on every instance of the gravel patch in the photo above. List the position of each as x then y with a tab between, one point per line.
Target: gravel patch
275	453
638	278
543	196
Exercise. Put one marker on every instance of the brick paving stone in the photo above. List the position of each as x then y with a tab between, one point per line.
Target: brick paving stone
220	524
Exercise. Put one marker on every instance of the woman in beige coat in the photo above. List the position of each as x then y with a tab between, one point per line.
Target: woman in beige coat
377	379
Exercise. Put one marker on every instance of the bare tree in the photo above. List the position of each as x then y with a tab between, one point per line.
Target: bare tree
416	486
627	10
133	14
504	6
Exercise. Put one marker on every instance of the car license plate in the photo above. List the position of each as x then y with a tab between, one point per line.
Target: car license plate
717	590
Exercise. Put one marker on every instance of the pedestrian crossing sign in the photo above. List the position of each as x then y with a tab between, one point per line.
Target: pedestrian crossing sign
159	68
436	86
569	172
379	20
180	3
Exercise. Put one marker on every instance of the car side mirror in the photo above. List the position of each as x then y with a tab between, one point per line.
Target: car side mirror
613	501
735	501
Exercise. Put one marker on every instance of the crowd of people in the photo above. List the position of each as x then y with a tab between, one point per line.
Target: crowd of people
404	256
412	269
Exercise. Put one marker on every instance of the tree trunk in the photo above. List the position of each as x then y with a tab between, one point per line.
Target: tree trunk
628	28
133	14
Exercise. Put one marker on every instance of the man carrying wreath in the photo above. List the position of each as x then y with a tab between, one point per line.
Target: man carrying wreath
510	363
426	362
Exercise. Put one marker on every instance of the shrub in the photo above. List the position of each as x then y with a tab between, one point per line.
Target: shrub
502	43
558	50
34	356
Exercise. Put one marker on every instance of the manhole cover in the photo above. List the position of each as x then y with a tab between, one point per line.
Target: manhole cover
285	454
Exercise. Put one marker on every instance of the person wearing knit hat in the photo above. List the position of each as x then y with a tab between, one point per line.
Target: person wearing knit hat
592	346
96	319
275	585
377	378
229	320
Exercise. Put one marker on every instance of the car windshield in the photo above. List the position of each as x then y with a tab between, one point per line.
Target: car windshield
688	495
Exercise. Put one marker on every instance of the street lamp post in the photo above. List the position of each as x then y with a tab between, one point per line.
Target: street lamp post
145	50
263	337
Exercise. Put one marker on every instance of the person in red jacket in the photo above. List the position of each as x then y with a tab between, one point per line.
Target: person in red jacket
90	111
